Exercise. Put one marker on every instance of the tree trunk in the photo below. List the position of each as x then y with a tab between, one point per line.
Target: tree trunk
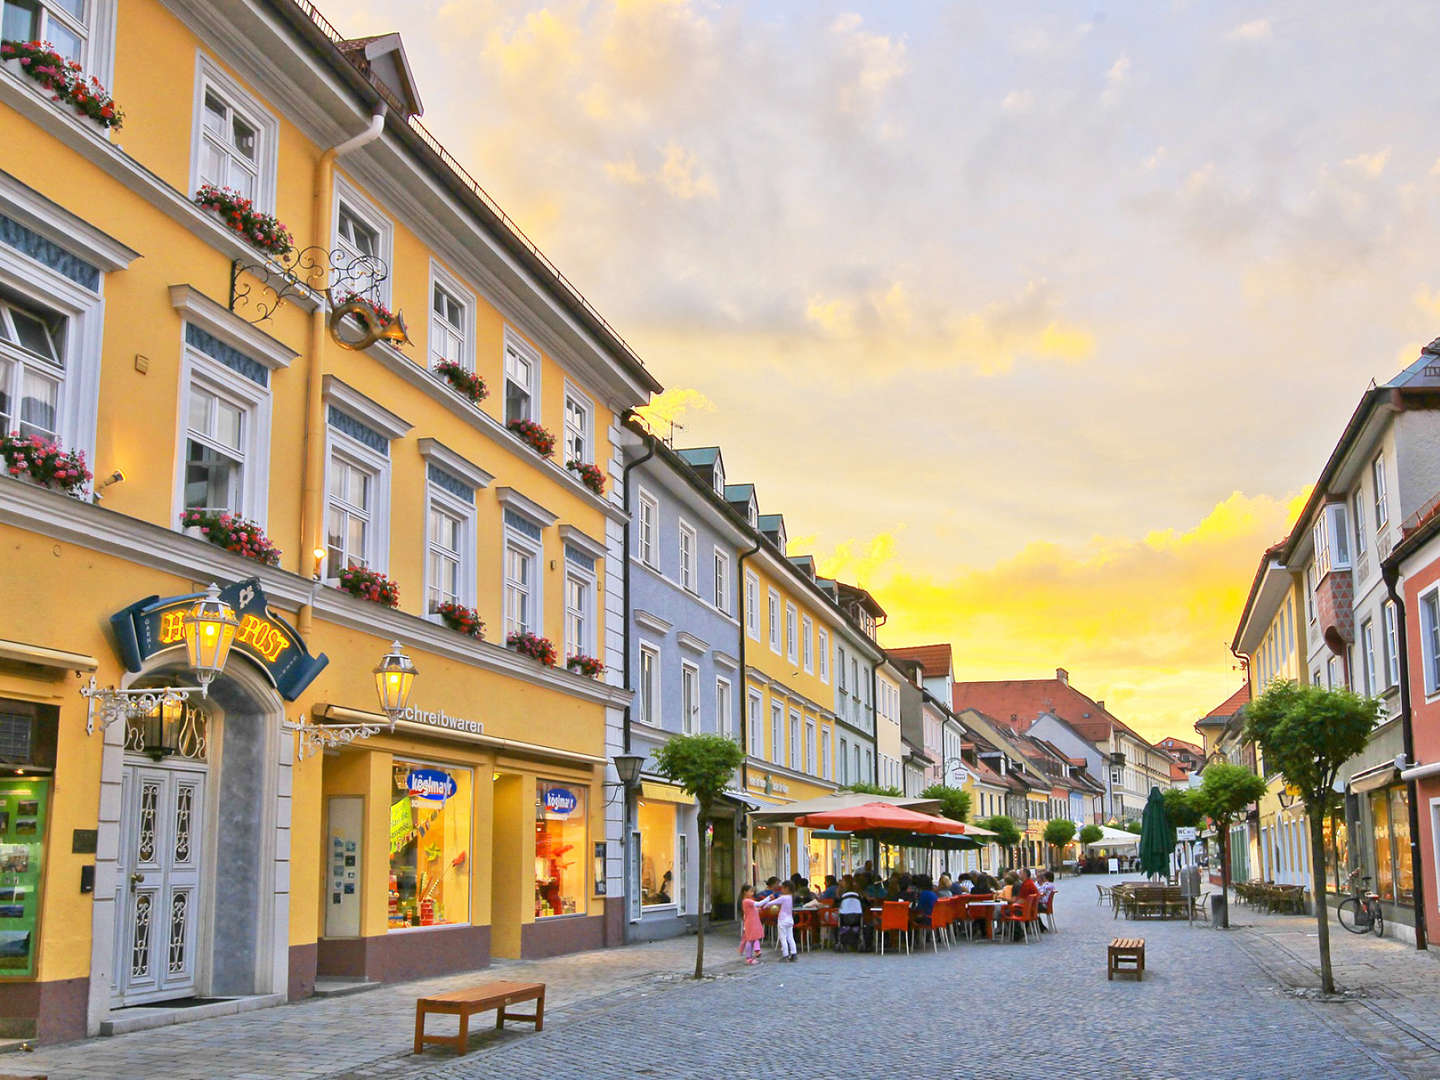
703	820
1224	831
1317	889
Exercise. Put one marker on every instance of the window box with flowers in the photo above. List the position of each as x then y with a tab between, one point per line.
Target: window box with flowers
588	666
41	461
590	475
368	584
539	439
383	315
461	618
468	384
533	646
232	533
64	81
237	213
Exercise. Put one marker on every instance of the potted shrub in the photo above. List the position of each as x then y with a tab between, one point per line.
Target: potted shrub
64	80
43	462
260	230
539	439
232	533
468	383
461	618
533	646
370	585
585	665
590	475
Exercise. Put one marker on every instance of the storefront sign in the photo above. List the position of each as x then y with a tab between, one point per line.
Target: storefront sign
559	800
154	624
430	784
770	786
1185	833
439	718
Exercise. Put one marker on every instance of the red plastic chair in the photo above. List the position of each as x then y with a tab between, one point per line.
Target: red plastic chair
807	924
1023	914
1048	908
895	918
939	925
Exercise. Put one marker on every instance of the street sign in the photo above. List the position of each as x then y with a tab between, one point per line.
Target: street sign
1186	833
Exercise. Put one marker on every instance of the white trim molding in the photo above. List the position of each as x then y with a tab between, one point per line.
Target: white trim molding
61	227
725	660
691	642
447	459
521	504
219	321
651	621
571	535
350	400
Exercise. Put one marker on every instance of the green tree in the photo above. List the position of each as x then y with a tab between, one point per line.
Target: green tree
703	766
1132	826
954	803
1090	833
1180	808
1007	834
1058	833
872	789
1307	733
1224	793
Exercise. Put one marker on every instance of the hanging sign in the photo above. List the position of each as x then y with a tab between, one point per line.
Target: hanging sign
155	624
430	784
560	801
1185	832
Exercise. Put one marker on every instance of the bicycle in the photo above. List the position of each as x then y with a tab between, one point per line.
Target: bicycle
1361	912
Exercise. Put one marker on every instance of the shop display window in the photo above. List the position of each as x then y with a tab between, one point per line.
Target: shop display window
431	809
1400	845
1384	868
767	854
23	806
560	849
657	852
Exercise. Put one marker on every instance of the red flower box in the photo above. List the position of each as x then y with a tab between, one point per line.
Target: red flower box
537	648
44	462
461	618
471	385
237	213
65	80
541	440
370	585
585	665
590	475
233	533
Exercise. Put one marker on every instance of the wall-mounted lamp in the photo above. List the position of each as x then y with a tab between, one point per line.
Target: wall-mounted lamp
116	477
319	555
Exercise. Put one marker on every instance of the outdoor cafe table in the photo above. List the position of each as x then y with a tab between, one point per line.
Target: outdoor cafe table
996	907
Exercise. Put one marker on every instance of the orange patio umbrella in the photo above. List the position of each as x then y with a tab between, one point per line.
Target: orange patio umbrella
878	815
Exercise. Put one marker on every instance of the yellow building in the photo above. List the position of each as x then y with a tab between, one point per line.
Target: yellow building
208	849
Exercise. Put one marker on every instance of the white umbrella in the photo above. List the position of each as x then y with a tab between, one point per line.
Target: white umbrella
1115	838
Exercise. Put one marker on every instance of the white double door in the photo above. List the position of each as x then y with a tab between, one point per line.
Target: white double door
159	882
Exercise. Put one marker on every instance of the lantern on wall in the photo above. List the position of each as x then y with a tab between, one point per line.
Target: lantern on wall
209	629
394	679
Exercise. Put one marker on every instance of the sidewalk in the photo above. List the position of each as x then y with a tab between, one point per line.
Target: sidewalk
366	1031
1392	990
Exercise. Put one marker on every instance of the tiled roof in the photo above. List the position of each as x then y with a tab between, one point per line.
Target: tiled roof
1178	771
1172	743
1231	705
934	660
1026	699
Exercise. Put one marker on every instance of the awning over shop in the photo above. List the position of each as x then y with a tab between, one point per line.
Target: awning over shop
21	653
659	791
1373	778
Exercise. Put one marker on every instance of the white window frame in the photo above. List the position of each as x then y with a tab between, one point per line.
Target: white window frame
689	571
586	405
357	454
370	215
773	610
722	581
724	720
795	747
647	519
690	717
1429	642
1392	643
844	760
752	605
1367	655
777	732
807	643
1310	584
210	76
588	645
822	648
1382	494
1357	506
811	766
216	378
449	503
755	721
536	551
792	626
443	279
513	342
651	710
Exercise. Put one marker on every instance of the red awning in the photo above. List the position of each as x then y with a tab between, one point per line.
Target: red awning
880	816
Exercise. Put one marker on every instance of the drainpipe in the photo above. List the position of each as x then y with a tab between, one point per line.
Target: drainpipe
625	565
744	681
1407	734
313	462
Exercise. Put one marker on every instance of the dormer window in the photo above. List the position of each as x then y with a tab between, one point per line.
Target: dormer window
719	478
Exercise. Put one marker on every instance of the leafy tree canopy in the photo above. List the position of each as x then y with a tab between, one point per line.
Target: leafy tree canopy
873	789
954	803
1307	733
1059	832
1132	826
1007	834
1226	790
1090	833
701	764
1180	808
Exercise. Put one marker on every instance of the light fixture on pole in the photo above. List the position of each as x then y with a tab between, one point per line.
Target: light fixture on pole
209	631
627	767
394	680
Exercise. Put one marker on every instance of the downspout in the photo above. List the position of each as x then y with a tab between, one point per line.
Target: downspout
744	679
1407	734
313	462
625	567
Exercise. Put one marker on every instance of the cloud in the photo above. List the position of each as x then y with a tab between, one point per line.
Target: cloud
1115	80
679	174
1254	30
668	409
1018	101
1370	164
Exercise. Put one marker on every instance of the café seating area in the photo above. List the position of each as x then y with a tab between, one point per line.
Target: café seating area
1268	896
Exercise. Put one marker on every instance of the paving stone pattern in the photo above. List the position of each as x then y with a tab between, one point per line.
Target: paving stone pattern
1213	1004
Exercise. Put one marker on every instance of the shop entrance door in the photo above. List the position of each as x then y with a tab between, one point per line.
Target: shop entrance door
722	870
159	882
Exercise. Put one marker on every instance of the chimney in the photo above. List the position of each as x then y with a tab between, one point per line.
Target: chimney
1101	703
1062	675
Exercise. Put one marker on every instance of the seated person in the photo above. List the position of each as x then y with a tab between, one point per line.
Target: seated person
875	889
925	898
1047	888
1008	890
944	887
965	883
831	890
1026	886
772	888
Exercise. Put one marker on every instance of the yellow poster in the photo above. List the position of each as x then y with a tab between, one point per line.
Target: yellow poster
400	824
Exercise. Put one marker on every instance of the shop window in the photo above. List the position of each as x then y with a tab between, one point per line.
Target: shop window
560	849
657	852
1400	845
1384	864
430	818
24	807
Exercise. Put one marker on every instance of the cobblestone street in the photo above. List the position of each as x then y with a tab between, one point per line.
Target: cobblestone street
1211	1005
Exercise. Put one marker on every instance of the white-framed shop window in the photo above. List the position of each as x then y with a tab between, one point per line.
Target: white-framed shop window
579	411
688	571
650	685
722	581
689	698
755	721
752	605
522	378
452	319
724	722
579	610
449	548
365	243
234	141
807	644
647	525
224	440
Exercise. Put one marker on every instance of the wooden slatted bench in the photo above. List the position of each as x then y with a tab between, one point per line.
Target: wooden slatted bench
478	999
1126	954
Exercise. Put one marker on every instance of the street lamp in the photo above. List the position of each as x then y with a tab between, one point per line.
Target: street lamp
394	679
627	767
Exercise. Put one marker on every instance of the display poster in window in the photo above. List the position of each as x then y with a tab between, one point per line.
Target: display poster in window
561	847
431	810
344	866
23	803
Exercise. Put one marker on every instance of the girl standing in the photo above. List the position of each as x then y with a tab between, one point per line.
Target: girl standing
785	925
750	929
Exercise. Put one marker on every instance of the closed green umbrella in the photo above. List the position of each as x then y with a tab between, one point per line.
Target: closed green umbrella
1157	836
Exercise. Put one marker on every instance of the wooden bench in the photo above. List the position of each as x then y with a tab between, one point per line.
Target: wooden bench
1126	954
478	999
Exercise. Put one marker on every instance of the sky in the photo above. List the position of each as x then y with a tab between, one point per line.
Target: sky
1035	320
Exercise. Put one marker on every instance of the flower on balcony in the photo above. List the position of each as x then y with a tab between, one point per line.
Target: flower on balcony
585	665
541	440
257	228
590	475
226	530
383	315
65	80
45	462
459	617
533	646
471	385
370	585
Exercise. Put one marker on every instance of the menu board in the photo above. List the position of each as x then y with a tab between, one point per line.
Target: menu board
22	832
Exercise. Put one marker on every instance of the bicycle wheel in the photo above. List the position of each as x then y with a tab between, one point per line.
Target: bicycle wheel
1379	924
1352	916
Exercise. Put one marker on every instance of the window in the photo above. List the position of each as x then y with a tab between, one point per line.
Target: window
1358	504
752	605
687	559
722	581
656	822
689	699
215	440
449	326
646	526
777	737
560	849
1382	510
350	518
1367	656
431	809
844	760
840	673
810	747
522	380
755	721
229	145
1334	678
446	554
1430	639
774	621
856	776
1392	646
723	724
62	23
792	646
32	367
649	686
824	649
577	428
522	608
1331	534
579	621
807	644
794	740
1310	591
362	241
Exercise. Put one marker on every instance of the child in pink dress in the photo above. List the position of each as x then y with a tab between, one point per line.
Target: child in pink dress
750	929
